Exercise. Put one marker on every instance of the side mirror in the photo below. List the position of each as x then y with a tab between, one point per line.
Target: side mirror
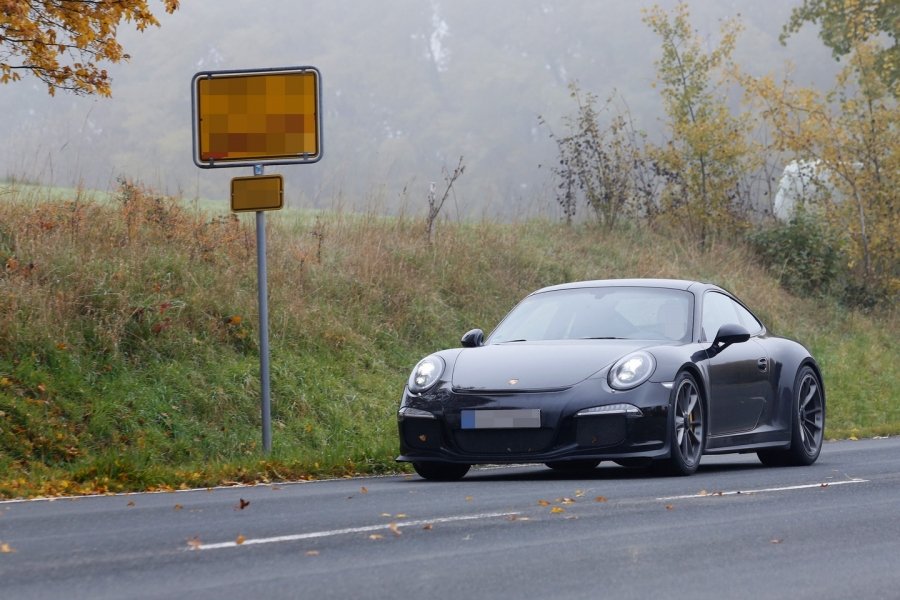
473	339
730	333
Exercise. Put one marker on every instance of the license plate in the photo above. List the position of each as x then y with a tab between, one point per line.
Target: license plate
523	418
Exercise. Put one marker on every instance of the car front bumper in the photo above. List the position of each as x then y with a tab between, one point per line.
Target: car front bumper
586	421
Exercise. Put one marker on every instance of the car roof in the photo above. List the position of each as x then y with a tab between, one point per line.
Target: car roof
675	284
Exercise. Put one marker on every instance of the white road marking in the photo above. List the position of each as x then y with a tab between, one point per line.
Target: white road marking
824	484
348	530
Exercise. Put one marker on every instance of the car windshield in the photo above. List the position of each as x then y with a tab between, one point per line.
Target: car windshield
638	313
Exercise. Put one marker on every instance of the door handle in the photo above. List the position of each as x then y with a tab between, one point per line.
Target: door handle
763	364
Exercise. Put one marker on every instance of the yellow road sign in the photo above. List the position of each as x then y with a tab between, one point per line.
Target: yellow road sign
261	192
244	118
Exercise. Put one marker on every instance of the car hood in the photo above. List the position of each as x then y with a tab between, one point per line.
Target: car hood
531	366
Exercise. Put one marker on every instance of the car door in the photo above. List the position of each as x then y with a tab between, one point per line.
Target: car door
739	377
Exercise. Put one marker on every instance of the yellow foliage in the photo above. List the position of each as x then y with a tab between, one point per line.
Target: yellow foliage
35	35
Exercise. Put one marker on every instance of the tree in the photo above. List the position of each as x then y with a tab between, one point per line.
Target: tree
601	162
64	42
707	152
846	23
852	136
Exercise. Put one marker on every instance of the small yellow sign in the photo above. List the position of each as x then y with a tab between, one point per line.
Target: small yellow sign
261	192
269	116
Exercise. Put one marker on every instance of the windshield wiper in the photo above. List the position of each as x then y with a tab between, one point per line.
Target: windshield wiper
604	337
511	341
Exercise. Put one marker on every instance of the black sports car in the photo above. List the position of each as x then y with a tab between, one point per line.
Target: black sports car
642	372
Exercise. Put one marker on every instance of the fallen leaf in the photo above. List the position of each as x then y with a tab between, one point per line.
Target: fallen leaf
312	552
600	499
394	529
6	548
178	507
468	498
376	536
776	541
702	493
824	485
386	514
557	509
568	501
363	490
423	438
240	539
401	515
543	503
669	507
243	504
130	503
427	526
579	493
194	543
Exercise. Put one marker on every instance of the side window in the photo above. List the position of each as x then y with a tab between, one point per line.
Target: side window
717	311
748	320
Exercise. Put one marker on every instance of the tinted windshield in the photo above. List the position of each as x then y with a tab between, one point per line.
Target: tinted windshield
637	313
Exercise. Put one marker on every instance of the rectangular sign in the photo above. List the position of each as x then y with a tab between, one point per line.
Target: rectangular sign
257	117
262	192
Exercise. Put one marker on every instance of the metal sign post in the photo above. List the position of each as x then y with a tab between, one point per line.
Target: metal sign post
263	301
255	118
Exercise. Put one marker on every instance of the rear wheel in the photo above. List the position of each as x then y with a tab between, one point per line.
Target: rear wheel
441	471
688	427
807	424
573	466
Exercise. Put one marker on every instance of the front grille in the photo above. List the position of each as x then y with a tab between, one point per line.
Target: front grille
600	430
503	441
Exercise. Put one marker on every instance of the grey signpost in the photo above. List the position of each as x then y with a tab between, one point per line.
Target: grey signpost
256	118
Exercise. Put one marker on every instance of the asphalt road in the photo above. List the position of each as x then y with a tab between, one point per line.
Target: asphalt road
736	529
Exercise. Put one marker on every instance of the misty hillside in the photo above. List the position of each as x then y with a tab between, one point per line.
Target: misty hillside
409	86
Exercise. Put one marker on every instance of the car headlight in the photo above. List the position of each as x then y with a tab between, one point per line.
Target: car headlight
631	371
426	374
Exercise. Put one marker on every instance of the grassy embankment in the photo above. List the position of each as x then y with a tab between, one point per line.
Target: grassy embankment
128	342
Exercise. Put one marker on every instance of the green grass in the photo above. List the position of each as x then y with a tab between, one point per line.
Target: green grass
128	340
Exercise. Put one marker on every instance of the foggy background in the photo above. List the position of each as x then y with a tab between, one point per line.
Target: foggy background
408	86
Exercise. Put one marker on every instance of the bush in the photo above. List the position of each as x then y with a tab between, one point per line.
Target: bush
803	253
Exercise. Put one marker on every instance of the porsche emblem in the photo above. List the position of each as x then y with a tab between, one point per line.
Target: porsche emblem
513	381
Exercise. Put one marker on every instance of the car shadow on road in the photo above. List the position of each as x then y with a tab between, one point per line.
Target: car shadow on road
602	473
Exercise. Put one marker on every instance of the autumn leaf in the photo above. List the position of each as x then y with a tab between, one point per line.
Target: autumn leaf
468	498
312	552
579	493
363	490
702	493
194	543
394	529
567	501
427	526
242	504
240	539
775	541
178	507
376	536
130	503
401	515
669	507
557	509
543	503
600	499
6	548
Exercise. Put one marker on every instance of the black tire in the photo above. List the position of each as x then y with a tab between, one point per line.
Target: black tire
807	424
573	466
687	427
441	471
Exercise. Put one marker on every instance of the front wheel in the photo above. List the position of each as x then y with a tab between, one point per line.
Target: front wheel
441	471
807	424
687	426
